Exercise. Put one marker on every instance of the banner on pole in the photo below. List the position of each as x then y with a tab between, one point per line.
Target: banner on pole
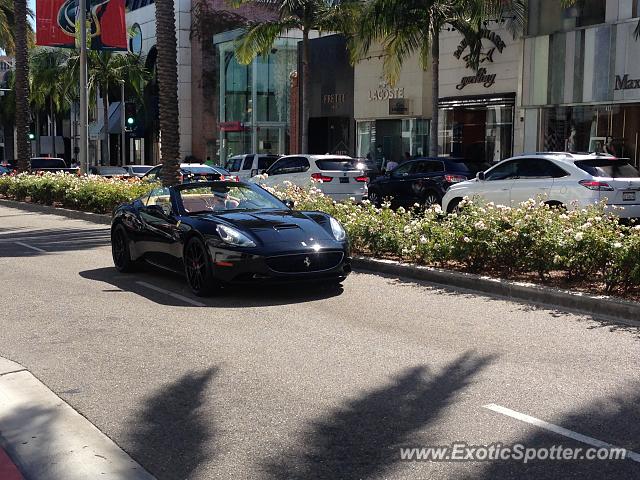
56	24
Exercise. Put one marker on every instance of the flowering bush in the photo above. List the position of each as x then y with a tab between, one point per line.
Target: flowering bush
532	238
90	193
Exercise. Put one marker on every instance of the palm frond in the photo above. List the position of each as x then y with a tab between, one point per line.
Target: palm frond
260	37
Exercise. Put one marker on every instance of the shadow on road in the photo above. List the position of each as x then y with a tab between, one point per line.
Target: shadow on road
230	297
52	241
362	438
171	437
615	420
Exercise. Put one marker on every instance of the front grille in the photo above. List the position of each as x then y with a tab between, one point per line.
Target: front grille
305	262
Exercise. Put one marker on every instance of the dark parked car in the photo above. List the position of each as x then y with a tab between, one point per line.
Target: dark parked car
224	232
423	181
192	171
368	166
50	164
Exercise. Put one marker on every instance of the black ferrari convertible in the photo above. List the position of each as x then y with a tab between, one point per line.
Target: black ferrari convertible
221	232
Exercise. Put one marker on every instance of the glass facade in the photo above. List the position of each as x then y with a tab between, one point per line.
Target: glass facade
613	128
385	140
477	129
548	16
254	100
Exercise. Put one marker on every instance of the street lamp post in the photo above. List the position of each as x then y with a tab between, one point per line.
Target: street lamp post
84	114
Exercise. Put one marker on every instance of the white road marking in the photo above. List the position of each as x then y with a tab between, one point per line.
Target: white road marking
31	247
171	294
559	430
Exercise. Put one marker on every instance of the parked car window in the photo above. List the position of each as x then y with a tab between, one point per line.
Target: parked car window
233	164
608	168
265	161
466	167
48	162
140	169
402	170
248	162
340	164
428	166
504	171
289	165
538	168
154	173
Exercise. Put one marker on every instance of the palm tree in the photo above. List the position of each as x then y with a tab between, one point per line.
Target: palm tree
306	16
167	72
15	33
46	67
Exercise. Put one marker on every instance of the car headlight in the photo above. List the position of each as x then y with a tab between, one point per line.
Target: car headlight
234	237
338	231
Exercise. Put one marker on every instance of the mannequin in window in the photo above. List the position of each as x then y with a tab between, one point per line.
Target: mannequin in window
571	141
608	147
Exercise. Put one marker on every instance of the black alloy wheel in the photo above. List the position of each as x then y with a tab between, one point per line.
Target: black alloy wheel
431	198
374	198
198	268
120	250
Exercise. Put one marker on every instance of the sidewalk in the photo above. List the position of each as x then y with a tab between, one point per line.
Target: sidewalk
49	440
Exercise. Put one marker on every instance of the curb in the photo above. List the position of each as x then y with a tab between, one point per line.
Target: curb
64	212
620	311
46	439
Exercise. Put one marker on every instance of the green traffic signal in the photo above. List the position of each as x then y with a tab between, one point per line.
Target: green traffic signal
31	136
130	120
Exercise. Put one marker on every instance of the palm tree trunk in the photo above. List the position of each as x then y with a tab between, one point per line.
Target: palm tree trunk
168	85
22	85
435	94
52	127
106	158
306	91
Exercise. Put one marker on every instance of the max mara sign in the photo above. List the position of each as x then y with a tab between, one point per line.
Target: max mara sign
626	83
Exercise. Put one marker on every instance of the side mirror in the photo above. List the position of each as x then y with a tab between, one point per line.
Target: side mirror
254	172
480	176
289	203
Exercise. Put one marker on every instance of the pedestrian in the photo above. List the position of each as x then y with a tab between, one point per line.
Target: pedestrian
407	157
209	161
608	146
391	165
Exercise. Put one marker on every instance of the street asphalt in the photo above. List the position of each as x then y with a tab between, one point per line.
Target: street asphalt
308	383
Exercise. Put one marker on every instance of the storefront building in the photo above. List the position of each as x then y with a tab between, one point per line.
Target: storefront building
391	119
581	78
478	109
331	123
254	115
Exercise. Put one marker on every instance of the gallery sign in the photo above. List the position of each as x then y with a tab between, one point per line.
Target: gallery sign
482	77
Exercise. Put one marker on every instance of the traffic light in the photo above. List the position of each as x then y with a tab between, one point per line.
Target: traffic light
32	129
130	115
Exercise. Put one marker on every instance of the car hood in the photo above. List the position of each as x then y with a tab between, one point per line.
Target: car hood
281	226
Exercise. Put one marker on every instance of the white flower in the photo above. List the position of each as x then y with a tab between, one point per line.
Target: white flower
407	229
586	226
423	240
637	227
617	245
579	236
479	225
401	210
466	240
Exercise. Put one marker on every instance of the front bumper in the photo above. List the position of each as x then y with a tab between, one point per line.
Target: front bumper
234	267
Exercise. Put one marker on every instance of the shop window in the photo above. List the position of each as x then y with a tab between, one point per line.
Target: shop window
635	9
548	16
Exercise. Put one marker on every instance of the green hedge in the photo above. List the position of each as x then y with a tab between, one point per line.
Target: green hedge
89	193
532	239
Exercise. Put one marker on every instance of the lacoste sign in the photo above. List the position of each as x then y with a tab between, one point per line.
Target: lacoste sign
626	83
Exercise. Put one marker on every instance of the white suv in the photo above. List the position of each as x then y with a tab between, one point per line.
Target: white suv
563	179
336	176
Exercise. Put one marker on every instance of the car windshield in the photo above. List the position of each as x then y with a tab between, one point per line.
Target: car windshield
462	165
341	164
227	196
608	168
141	169
112	171
203	170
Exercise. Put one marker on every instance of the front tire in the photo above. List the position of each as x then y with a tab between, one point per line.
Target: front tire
374	198
431	198
454	206
198	268
120	250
